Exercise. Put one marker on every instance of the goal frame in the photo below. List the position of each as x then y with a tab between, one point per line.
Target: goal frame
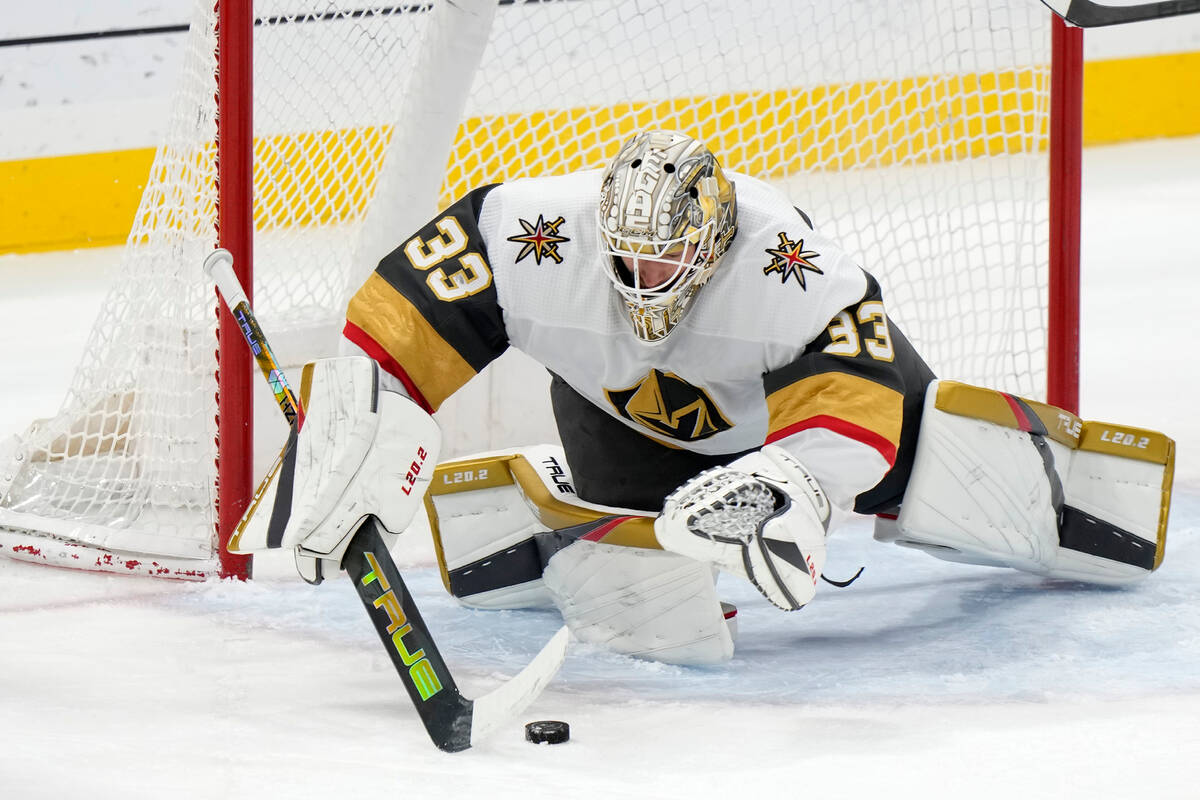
1066	182
235	233
235	221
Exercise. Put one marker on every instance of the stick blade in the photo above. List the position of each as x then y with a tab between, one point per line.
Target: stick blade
513	696
444	712
453	722
1098	13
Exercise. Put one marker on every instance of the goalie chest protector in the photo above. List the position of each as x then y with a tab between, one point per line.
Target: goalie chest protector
754	315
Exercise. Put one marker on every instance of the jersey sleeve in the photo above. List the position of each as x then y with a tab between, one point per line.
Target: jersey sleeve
849	407
429	312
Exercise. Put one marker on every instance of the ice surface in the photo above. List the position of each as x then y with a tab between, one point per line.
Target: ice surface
924	679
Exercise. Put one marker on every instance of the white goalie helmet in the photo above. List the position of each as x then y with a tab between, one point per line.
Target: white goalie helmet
664	202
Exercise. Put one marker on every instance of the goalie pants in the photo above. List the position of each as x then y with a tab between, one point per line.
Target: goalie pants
616	466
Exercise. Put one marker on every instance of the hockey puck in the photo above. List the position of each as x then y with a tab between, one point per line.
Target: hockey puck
547	731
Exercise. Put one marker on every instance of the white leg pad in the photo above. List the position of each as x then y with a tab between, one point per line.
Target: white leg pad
473	525
979	494
647	603
629	597
1079	500
479	506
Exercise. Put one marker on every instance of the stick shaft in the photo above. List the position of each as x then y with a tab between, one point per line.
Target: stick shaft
219	266
448	716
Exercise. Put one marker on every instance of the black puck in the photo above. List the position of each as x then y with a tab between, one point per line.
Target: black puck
547	731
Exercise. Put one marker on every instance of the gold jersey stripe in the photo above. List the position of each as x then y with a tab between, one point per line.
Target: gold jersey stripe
993	406
395	324
859	401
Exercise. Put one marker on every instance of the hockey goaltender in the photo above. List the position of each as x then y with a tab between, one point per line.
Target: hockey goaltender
727	386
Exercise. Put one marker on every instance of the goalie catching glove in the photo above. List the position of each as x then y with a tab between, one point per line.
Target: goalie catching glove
361	451
763	517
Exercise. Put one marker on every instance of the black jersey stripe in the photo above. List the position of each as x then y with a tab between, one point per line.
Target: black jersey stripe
878	401
472	325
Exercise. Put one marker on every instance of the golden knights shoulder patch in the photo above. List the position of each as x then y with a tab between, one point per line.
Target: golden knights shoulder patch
791	259
540	239
669	406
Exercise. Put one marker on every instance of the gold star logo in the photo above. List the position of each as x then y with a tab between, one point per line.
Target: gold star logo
789	259
540	239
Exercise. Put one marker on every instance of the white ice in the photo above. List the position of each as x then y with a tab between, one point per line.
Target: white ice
924	679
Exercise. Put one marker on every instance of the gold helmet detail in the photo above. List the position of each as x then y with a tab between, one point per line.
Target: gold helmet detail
667	214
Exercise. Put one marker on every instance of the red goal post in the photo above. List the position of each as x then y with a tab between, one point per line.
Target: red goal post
941	146
1066	185
235	233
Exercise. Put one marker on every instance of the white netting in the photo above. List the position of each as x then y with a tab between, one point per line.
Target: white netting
914	133
129	454
725	505
129	462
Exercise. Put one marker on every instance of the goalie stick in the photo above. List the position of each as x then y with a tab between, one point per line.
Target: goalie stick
453	722
1092	14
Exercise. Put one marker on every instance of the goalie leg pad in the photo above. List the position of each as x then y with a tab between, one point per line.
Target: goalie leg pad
488	511
510	532
483	533
646	603
360	452
1003	481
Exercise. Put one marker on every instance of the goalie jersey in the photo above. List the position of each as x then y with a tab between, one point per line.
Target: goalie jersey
788	343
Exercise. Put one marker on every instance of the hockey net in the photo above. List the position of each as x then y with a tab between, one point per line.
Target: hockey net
916	137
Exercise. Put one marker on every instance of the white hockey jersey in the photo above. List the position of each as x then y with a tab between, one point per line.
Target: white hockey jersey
788	343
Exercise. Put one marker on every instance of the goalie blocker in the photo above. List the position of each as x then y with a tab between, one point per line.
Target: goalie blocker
362	452
1003	481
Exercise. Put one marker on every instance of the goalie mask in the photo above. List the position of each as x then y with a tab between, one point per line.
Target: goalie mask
667	214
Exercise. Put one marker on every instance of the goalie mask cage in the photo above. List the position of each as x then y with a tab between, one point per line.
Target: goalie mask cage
939	143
